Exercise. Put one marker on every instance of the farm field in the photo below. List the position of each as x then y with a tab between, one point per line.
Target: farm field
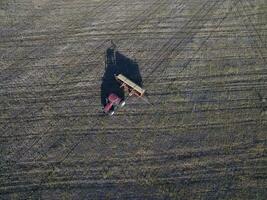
203	65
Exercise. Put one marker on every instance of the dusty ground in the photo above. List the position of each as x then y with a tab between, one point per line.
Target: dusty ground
203	64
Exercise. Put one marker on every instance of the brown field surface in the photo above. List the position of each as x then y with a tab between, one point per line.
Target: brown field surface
203	65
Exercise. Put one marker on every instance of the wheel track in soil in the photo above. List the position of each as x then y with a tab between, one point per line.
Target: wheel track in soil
83	93
155	161
96	12
184	65
256	43
160	113
190	60
136	35
170	46
71	63
232	86
213	101
76	81
57	142
136	24
114	131
70	151
191	19
91	180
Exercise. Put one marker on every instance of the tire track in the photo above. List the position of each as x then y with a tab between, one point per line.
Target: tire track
132	26
157	162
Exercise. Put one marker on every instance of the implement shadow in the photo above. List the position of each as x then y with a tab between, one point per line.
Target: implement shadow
117	63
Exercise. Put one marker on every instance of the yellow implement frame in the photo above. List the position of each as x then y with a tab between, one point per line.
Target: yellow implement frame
130	86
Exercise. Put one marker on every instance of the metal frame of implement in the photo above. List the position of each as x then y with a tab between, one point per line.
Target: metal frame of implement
130	86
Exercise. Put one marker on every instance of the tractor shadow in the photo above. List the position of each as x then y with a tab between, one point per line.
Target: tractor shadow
117	63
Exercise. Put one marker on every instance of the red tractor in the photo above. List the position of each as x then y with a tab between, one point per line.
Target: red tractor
112	102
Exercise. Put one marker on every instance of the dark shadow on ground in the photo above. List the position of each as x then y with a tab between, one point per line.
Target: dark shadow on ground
117	63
